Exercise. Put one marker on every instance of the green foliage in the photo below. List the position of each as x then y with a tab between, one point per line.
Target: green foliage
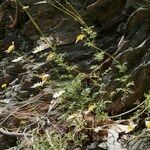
122	67
83	90
50	141
55	141
147	101
99	56
76	95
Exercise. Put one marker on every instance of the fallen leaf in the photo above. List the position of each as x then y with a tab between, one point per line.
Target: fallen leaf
75	115
97	129
112	142
50	57
58	94
130	128
39	84
17	59
25	7
38	49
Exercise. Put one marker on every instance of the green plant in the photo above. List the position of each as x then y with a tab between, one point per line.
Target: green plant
83	90
78	94
147	101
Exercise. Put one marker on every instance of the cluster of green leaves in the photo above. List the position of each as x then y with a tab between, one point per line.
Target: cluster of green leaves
56	141
147	101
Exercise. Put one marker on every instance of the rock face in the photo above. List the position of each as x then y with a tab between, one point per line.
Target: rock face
103	11
123	31
134	48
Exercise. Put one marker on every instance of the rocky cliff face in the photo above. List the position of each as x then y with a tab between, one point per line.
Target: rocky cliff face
123	29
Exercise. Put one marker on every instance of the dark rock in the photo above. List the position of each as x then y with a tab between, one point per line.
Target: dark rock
107	12
133	48
23	94
7	142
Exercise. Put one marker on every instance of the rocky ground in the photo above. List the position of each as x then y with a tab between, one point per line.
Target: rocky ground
123	30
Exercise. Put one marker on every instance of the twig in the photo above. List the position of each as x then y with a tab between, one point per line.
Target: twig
12	113
2	131
127	112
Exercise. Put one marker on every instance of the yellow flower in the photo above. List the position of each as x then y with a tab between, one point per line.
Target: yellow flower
3	86
50	57
147	123
10	48
80	37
